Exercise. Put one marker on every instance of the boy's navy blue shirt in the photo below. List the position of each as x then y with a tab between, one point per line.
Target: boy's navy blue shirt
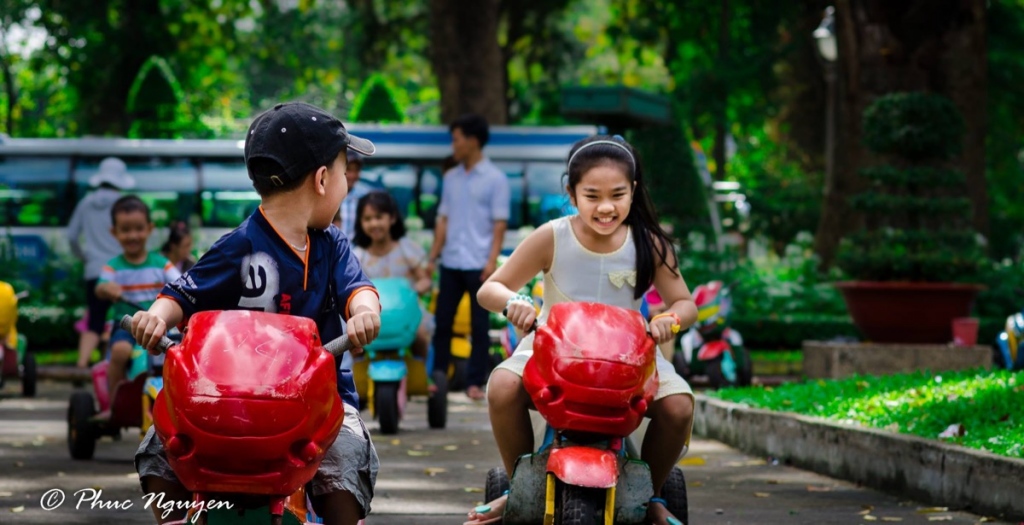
254	268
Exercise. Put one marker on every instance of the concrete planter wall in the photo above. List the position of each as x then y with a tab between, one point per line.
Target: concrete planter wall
925	470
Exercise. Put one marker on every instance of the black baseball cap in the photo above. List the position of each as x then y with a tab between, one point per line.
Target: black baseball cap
299	138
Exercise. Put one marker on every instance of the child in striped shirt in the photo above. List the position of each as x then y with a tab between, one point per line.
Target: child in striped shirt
132	279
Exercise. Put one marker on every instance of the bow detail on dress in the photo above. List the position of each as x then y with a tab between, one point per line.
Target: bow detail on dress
622	277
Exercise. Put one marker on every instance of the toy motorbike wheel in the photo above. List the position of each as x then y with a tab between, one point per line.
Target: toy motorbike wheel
745	373
386	406
497	484
28	375
81	438
437	404
581	505
674	492
716	376
680	364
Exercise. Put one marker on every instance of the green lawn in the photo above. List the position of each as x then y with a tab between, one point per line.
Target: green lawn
988	404
62	357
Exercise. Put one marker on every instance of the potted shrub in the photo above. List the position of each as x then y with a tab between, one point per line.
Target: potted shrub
916	253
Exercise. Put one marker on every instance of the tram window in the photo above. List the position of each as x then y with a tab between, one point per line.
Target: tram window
166	184
34	191
517	188
228	197
547	198
429	195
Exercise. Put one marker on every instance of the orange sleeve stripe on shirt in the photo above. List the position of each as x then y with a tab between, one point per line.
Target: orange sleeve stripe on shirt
356	292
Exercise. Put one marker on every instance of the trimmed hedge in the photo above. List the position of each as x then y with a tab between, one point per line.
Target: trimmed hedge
49	327
787	332
790	331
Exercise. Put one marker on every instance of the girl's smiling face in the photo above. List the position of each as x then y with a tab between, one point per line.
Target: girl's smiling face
603	197
377	225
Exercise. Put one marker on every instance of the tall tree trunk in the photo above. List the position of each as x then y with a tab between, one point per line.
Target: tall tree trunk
10	92
903	45
467	59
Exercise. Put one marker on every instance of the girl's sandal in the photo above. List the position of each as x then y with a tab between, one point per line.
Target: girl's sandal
482	510
672	520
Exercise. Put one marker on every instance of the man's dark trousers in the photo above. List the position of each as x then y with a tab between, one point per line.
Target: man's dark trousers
454	283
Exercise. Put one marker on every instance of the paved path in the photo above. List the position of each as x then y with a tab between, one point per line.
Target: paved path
427	477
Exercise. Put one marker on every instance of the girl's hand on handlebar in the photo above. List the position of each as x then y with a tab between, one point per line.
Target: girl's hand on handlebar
664	327
363	328
147	329
522	315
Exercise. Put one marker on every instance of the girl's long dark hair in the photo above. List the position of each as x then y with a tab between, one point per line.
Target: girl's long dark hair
383	202
648	236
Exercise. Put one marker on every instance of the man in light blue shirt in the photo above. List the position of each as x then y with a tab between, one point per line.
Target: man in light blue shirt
471	222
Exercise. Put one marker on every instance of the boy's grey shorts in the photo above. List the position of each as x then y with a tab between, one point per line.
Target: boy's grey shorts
350	464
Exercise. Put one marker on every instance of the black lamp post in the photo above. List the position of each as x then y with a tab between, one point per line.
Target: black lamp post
828	51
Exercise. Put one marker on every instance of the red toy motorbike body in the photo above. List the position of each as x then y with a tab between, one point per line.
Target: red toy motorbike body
593	371
250	403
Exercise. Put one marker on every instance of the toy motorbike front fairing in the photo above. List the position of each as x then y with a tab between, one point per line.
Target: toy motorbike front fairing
250	403
593	369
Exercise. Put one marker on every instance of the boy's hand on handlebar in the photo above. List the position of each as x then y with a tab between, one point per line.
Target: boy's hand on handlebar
363	328
147	329
522	315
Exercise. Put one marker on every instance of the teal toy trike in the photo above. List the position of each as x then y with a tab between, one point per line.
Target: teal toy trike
388	373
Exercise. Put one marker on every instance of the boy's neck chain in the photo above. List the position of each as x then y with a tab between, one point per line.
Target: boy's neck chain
300	249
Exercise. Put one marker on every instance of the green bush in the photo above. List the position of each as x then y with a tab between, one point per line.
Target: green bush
914	125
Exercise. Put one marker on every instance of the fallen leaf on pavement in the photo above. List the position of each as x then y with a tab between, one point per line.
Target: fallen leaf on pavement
396	441
868	517
772	481
473	489
694	461
927	510
761	494
818	488
432	471
891	518
451	447
470	467
697	484
18	509
940	518
867	510
417	452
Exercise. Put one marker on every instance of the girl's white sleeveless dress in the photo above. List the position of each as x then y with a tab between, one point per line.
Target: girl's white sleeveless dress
578	274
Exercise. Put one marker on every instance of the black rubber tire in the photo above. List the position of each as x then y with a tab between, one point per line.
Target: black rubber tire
714	371
81	438
745	373
385	402
497	484
29	375
580	505
680	364
674	492
437	404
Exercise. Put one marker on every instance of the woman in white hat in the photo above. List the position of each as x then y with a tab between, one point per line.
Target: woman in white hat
91	221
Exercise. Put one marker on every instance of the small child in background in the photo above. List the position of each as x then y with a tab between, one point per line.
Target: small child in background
178	248
383	250
136	276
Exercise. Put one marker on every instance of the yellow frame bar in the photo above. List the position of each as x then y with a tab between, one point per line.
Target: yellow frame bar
549	501
609	506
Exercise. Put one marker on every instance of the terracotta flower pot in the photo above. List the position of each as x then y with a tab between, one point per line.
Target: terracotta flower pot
906	312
